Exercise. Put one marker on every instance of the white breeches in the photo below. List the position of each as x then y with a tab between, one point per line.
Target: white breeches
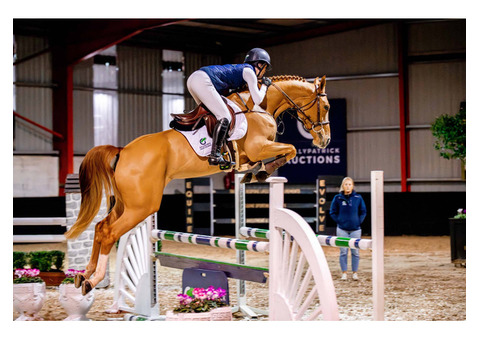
202	90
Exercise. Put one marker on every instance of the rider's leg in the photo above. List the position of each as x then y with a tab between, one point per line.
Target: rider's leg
218	138
202	90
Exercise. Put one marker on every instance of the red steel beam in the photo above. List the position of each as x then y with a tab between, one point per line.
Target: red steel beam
56	134
87	37
403	106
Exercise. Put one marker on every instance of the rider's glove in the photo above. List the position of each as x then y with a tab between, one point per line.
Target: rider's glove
266	81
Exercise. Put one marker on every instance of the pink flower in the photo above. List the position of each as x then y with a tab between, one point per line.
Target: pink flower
73	272
26	272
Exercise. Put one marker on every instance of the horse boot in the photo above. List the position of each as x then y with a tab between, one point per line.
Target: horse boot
218	138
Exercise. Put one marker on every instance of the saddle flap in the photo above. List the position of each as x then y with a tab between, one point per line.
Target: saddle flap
201	116
191	117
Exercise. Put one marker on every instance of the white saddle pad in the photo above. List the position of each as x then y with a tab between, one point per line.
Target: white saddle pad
201	142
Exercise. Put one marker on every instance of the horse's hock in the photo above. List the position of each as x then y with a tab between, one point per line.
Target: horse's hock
79	249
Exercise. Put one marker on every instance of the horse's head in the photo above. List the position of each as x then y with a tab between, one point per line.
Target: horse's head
314	114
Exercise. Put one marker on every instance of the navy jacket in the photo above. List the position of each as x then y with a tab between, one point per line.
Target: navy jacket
226	77
348	211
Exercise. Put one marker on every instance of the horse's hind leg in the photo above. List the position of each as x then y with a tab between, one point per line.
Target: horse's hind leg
107	236
91	266
97	241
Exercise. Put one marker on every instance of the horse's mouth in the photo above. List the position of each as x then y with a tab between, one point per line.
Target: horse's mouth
321	143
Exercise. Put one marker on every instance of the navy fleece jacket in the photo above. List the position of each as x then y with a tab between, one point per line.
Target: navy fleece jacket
348	211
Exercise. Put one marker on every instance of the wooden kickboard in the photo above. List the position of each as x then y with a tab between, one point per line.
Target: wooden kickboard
231	270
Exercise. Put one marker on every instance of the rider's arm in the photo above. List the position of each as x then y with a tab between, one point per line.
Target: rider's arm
252	81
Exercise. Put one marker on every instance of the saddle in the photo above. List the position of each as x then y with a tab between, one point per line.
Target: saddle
199	117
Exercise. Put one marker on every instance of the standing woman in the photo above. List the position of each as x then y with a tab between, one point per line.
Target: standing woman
348	210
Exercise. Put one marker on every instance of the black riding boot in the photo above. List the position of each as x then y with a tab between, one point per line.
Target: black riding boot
219	134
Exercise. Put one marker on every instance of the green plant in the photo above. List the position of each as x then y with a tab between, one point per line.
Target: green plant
19	259
450	133
461	214
57	259
46	261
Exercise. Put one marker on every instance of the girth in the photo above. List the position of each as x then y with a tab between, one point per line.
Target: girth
199	117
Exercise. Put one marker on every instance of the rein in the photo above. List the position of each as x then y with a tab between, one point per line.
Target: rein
300	109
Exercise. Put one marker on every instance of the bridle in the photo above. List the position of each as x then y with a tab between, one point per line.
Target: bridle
301	110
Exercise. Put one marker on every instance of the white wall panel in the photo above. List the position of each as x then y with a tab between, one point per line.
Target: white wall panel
435	37
37	69
82	121
139	68
139	98
426	161
436	89
44	182
138	115
367	151
34	103
368	50
370	102
83	107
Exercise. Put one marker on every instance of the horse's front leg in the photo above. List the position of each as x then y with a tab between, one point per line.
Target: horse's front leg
282	153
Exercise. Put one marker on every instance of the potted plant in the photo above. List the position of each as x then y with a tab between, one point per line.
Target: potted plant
28	294
75	304
50	264
458	237
450	133
201	304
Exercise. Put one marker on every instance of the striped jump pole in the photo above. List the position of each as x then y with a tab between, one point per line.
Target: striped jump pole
332	241
212	241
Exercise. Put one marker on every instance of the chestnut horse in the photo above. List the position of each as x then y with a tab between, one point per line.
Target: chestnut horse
137	174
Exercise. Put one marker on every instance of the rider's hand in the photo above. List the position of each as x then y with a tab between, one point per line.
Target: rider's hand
266	81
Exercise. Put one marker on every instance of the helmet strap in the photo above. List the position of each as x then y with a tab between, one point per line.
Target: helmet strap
265	65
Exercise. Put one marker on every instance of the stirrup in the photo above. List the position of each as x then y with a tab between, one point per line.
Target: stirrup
216	160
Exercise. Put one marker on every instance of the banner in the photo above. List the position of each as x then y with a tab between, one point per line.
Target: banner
311	161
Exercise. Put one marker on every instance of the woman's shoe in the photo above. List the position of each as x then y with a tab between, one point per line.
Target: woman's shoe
355	276
344	276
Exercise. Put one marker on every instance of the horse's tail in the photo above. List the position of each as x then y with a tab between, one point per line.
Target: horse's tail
96	175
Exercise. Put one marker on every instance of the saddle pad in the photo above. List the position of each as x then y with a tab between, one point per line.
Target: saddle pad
201	142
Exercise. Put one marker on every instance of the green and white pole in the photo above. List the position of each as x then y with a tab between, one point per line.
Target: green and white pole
332	241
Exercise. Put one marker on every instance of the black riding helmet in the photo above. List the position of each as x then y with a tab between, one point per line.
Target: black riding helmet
256	55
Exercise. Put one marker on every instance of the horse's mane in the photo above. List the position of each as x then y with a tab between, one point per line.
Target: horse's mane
287	78
277	79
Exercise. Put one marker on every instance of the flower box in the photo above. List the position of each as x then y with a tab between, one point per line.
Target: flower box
28	299
458	238
75	304
217	314
52	278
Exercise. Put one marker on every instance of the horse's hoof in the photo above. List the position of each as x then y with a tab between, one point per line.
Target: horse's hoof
262	176
247	178
79	278
86	287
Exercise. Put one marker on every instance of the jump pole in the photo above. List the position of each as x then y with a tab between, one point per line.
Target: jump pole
378	276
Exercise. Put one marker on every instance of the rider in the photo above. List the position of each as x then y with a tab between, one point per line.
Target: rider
207	84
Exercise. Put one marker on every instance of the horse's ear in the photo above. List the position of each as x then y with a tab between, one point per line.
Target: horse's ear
323	82
320	84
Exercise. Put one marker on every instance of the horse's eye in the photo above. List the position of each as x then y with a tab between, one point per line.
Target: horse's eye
326	107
